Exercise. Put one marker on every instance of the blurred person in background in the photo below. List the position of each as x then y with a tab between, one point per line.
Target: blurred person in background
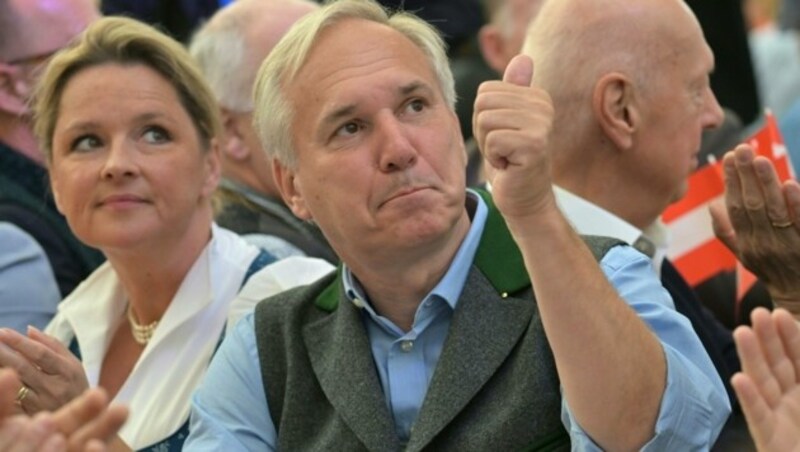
28	291
229	50
30	32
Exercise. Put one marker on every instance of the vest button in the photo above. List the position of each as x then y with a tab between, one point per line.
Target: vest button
407	346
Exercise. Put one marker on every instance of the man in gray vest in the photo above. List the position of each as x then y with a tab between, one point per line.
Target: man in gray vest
429	335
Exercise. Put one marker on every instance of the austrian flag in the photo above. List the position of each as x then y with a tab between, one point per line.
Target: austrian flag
694	249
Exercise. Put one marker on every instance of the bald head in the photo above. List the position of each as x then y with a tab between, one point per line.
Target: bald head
232	45
630	87
37	27
586	39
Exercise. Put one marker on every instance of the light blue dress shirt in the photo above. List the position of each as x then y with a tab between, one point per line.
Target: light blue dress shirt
28	290
230	410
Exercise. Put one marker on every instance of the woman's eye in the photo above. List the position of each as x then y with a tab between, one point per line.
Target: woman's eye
85	143
156	135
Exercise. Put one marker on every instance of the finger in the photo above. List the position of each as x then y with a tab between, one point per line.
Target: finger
755	408
34	432
9	386
101	429
721	224
754	362
48	341
95	445
789	332
733	195
80	410
45	359
55	443
519	71
777	210
752	195
781	367
791	193
11	431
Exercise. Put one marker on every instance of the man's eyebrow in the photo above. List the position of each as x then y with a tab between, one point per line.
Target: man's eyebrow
340	113
414	87
348	110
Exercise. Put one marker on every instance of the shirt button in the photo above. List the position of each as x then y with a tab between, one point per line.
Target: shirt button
359	303
407	346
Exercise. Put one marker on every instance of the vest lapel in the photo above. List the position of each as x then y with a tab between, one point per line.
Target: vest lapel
342	361
486	326
484	331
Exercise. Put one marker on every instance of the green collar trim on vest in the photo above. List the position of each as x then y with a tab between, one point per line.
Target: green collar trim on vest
498	257
328	299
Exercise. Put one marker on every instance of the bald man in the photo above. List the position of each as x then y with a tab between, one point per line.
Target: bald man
628	127
30	32
229	50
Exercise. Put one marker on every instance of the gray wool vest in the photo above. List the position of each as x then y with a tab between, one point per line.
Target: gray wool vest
495	386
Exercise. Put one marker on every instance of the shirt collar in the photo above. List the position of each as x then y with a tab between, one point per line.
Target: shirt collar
590	219
450	286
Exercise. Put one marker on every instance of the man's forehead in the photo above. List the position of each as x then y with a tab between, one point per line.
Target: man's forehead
336	55
48	25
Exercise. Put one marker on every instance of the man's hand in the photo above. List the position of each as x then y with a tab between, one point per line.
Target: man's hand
760	223
512	123
768	387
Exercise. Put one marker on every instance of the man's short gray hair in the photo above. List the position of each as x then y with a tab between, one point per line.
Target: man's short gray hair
273	112
219	50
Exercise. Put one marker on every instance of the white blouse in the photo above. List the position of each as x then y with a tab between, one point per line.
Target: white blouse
159	388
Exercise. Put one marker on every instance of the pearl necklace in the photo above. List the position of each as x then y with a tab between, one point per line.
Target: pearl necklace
141	333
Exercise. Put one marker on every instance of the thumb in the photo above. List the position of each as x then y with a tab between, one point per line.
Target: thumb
519	71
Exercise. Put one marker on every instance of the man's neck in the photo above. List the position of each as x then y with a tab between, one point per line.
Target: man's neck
397	286
17	134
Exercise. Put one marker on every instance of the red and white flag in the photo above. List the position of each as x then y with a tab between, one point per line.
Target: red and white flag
694	249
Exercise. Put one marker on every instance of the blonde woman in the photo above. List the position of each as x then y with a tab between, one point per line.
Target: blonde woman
129	128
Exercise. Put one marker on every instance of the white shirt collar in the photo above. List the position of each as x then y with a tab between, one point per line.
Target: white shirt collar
590	219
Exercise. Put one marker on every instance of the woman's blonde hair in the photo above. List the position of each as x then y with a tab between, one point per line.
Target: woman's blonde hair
125	41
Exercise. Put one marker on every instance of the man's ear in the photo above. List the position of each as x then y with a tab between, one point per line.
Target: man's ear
291	189
213	168
234	147
14	90
493	47
617	109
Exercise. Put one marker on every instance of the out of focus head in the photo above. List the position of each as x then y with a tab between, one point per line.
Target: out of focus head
504	33
115	40
30	32
274	112
231	46
229	49
630	78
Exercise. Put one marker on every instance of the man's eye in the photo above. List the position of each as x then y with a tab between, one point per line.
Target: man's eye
416	105
351	128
